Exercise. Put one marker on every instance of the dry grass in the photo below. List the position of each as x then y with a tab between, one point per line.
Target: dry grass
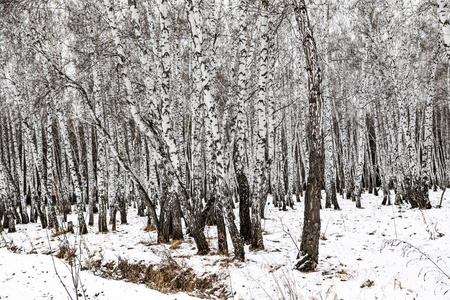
166	277
176	244
150	228
67	253
367	283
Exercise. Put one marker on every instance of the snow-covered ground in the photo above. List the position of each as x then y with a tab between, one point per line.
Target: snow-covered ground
356	262
33	276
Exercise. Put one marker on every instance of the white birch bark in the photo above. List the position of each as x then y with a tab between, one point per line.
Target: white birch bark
63	124
113	174
92	187
34	165
259	180
215	143
165	82
16	166
427	146
9	204
70	70
240	155
444	14
101	150
50	185
360	149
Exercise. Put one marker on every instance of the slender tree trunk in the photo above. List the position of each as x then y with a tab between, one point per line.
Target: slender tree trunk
359	163
239	153
259	180
92	187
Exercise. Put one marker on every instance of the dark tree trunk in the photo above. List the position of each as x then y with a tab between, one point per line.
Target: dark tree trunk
10	217
113	216
200	240
23	212
123	210
334	197
236	238
386	195
309	249
221	229
244	207
102	222
308	255
164	220
177	229
40	207
2	212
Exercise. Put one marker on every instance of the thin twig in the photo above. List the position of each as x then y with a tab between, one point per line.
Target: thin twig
395	242
289	233
56	270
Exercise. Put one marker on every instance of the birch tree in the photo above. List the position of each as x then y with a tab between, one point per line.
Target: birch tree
308	255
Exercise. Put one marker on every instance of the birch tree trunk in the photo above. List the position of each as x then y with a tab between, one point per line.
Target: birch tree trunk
239	153
50	186
259	193
308	255
443	13
360	150
427	148
63	123
101	151
220	190
70	70
92	186
39	199
167	129
330	164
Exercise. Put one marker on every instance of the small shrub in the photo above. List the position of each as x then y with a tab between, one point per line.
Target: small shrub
67	253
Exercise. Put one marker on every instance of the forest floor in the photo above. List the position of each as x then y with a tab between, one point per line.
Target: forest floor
378	252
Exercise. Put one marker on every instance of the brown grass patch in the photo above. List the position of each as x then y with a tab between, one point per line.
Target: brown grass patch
150	228
58	233
66	252
176	244
166	277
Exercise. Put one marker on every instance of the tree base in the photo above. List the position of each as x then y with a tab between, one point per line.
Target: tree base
306	264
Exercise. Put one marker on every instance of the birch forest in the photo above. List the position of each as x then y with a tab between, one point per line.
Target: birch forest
220	116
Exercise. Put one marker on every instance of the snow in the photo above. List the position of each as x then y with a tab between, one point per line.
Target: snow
33	277
355	260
